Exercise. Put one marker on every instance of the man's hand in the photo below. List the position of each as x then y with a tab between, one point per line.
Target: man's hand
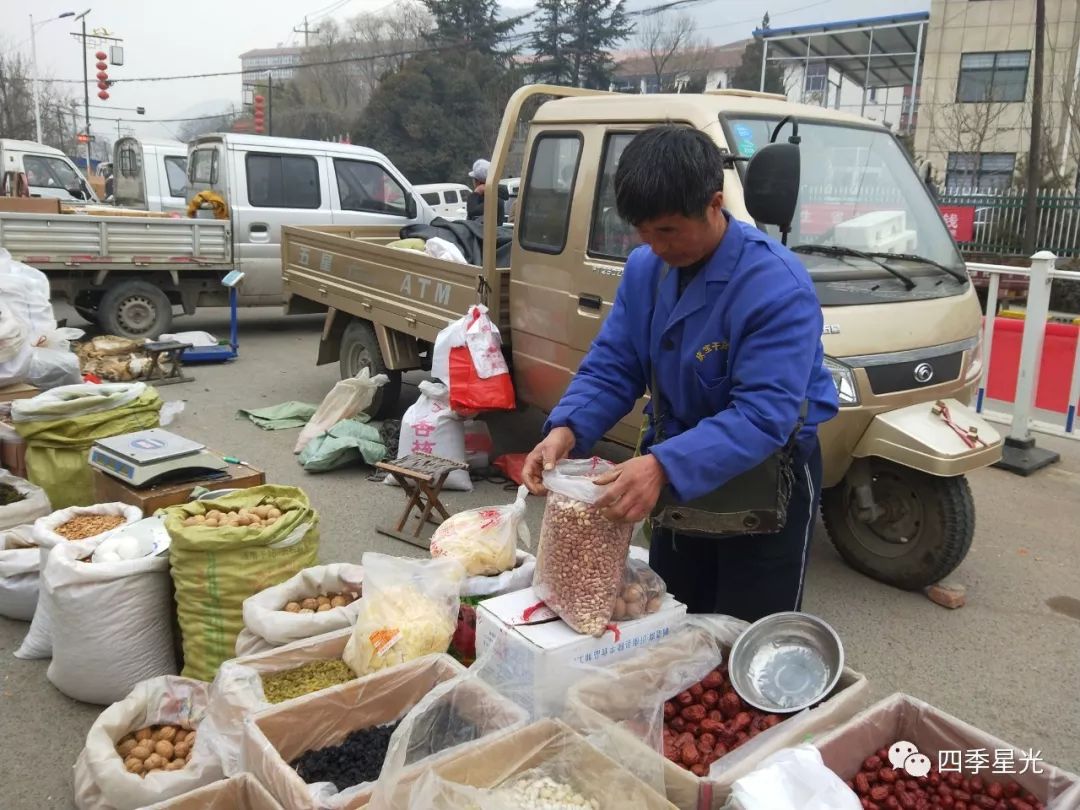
554	448
634	491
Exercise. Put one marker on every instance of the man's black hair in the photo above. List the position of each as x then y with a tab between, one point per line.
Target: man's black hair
667	170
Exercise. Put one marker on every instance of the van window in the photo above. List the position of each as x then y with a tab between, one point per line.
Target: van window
610	236
49	172
203	168
545	212
431	198
364	186
282	181
174	172
452	196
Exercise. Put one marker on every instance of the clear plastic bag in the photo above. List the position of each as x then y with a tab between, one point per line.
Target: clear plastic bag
793	779
346	399
409	609
484	540
546	753
641	592
582	555
453	716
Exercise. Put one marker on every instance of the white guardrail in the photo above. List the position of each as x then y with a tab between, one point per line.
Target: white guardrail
1024	418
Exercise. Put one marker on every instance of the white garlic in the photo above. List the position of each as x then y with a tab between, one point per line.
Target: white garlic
545	793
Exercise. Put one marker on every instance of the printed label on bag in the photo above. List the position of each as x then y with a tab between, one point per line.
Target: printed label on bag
382	640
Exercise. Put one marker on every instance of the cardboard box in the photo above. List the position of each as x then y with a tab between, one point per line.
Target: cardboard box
558	750
901	717
613	703
275	737
542	658
241	792
29	205
110	490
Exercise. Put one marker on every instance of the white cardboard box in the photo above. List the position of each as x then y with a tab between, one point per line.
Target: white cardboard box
536	662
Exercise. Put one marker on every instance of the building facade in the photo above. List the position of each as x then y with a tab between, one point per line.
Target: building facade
974	114
710	66
256	63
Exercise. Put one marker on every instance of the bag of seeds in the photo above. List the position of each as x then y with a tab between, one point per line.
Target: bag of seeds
20	501
317	600
582	555
409	609
484	540
224	550
111	774
84	525
251	683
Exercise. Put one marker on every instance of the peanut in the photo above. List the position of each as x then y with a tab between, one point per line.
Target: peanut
81	527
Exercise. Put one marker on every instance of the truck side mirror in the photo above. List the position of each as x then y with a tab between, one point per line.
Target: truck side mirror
410	206
771	185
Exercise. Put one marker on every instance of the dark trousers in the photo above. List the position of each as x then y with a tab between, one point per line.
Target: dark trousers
746	576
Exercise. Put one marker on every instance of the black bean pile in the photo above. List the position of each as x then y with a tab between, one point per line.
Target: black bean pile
358	759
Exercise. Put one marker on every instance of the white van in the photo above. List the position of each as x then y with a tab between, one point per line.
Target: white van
49	172
446	199
151	175
268	182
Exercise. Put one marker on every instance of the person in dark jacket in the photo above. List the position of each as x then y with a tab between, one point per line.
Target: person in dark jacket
474	206
728	321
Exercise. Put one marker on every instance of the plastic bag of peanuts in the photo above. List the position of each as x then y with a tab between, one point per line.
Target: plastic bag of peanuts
582	555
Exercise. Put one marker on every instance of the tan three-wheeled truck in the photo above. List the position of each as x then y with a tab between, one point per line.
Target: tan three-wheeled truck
902	321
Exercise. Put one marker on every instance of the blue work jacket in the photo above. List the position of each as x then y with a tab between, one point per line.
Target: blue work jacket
736	356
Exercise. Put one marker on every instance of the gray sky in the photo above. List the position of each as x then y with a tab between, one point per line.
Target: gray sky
199	36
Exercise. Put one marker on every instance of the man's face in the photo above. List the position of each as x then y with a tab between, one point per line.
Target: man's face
680	240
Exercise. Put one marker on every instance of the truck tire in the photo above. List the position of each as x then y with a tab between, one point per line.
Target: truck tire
360	349
924	533
134	309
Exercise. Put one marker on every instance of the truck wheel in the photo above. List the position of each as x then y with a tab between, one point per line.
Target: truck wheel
134	309
359	350
924	531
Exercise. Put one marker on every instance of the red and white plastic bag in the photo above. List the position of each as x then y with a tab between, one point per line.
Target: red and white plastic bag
468	357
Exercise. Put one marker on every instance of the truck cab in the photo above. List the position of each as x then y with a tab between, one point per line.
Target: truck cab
268	182
150	175
47	172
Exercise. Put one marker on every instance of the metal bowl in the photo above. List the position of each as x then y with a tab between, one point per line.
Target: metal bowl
786	662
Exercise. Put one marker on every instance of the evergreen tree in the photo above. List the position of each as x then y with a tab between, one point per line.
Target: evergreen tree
549	42
747	75
474	25
597	27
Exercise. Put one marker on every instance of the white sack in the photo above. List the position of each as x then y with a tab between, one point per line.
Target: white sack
19	564
25	292
267	625
517	578
101	783
111	623
35	502
38	641
429	426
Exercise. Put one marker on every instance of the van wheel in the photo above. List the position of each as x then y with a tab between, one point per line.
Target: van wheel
134	309
923	533
359	350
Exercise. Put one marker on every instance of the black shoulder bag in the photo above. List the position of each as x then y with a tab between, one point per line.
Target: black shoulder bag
754	502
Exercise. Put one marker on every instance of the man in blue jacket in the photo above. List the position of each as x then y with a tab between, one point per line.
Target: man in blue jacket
730	321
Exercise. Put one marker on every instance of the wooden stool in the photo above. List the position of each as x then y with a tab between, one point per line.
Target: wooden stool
173	352
421	476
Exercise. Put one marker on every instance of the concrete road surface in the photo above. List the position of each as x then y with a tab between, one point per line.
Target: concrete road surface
1008	662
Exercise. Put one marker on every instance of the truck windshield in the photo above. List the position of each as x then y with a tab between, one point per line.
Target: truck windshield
857	190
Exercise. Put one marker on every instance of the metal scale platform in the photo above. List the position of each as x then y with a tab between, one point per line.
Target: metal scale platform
149	456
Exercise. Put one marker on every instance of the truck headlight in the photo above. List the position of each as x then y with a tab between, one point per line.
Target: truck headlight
844	380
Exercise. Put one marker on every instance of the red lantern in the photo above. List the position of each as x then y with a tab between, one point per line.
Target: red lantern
101	55
101	65
103	85
102	76
103	95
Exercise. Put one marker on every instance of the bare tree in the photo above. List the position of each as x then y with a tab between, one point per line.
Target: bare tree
672	48
17	104
966	128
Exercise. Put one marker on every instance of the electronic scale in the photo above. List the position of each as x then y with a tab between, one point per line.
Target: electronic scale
146	457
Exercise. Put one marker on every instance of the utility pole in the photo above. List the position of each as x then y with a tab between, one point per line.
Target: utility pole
1034	167
305	31
269	103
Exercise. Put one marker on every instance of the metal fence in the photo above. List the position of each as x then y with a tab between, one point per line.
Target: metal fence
999	220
